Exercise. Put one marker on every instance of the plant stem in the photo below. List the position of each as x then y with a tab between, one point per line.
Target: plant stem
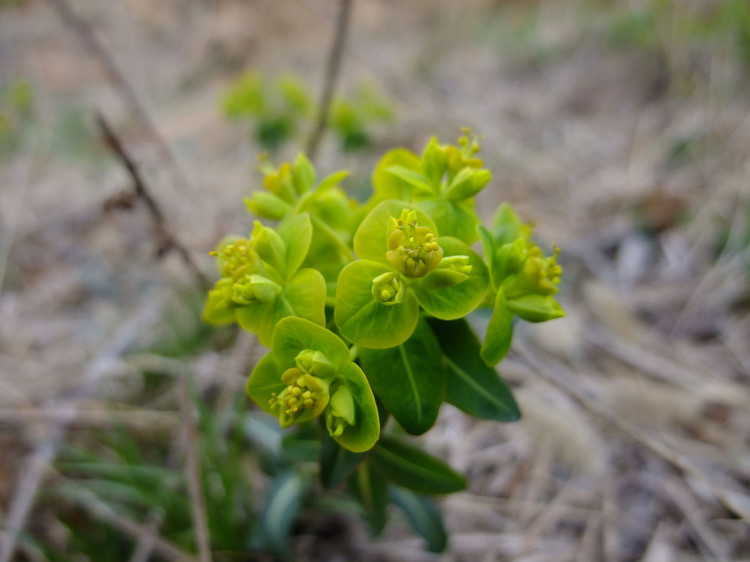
331	76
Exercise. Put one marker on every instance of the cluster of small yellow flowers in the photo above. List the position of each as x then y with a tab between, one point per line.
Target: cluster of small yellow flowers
413	250
304	392
463	155
543	272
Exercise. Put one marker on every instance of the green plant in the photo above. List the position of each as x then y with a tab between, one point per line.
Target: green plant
364	309
282	108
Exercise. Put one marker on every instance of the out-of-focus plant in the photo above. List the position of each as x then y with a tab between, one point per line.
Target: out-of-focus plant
278	108
364	310
351	118
16	111
281	109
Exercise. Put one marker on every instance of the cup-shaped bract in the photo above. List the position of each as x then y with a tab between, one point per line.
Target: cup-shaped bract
309	373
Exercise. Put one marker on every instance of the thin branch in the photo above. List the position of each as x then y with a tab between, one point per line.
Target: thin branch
331	77
195	489
167	240
136	420
93	45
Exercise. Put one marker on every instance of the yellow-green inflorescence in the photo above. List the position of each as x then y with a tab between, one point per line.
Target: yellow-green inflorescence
307	392
537	273
240	283
413	250
389	288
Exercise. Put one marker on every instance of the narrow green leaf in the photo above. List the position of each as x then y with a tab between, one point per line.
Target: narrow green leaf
506	226
336	462
409	379
424	516
499	333
472	386
366	321
304	174
331	181
370	489
415	179
388	185
413	468
297	235
282	505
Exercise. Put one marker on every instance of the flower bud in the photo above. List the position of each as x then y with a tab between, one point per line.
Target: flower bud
389	288
253	289
340	412
315	363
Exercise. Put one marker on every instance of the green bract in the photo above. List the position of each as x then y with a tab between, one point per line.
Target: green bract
442	183
309	373
262	281
405	266
365	310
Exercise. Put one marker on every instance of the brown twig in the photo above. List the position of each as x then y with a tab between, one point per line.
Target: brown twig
94	46
167	240
331	77
195	489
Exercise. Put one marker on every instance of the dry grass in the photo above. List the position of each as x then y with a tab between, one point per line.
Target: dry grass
635	441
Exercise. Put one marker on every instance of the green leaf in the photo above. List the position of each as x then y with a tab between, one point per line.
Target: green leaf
409	379
466	184
336	462
536	308
304	174
455	301
441	279
424	516
297	334
488	249
499	333
267	205
363	435
472	386
331	181
414	179
303	296
366	321
434	163
297	235
280	510
264	381
413	468
370	489
452	219
506	226
371	238
388	185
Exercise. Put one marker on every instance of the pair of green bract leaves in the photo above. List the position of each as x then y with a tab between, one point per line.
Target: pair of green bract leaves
401	304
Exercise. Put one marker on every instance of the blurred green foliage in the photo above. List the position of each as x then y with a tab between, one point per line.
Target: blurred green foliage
280	109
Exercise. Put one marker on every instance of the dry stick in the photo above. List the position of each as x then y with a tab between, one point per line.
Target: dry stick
331	77
739	505
197	500
167	240
87	36
137	420
32	474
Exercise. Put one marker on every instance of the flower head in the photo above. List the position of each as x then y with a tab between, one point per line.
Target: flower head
413	250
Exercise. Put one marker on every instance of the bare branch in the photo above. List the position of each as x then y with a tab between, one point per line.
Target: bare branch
331	77
167	240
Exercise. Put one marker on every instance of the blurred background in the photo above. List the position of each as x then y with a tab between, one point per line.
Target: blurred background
621	128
